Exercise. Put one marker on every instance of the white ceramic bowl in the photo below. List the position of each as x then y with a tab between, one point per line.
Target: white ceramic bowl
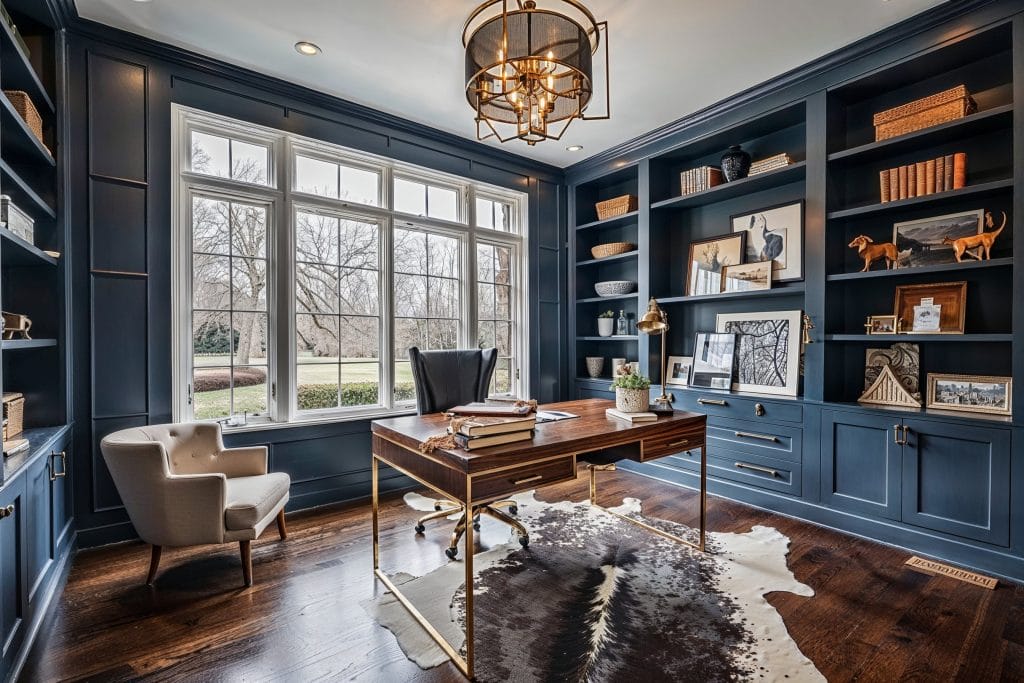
615	287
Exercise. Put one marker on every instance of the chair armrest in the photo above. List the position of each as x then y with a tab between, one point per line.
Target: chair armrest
185	509
249	461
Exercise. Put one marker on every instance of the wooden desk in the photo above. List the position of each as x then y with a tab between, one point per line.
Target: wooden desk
490	474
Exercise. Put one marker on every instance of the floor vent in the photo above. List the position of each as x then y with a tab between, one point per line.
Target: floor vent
933	567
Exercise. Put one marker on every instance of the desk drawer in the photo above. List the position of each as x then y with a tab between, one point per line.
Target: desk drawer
745	408
495	485
659	446
743	436
765	473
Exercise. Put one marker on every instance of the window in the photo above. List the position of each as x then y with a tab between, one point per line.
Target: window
298	299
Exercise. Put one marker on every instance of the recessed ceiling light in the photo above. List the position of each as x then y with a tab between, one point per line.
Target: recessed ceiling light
304	47
574	148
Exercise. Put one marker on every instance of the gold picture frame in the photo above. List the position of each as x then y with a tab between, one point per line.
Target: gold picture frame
949	297
973	393
881	324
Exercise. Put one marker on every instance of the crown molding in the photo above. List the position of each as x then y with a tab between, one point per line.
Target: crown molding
915	25
477	151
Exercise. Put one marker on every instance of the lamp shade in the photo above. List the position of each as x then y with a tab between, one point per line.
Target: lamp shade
654	321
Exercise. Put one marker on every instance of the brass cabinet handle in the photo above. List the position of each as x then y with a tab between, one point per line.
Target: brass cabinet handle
712	402
759	437
906	435
757	468
63	465
527	480
7	511
899	431
681	442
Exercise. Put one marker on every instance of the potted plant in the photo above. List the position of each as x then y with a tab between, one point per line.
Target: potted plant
605	323
632	390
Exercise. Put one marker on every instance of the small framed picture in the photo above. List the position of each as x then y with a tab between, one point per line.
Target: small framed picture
677	372
747	277
881	324
970	393
714	356
775	234
707	259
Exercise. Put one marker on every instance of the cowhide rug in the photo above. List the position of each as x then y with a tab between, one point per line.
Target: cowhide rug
595	598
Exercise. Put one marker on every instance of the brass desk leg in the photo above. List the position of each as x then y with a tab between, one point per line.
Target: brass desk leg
594	469
469	578
375	506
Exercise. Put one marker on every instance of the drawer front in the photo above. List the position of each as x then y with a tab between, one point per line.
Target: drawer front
739	407
756	438
495	485
660	446
766	473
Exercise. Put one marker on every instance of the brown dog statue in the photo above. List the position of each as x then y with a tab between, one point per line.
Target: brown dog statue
871	252
982	241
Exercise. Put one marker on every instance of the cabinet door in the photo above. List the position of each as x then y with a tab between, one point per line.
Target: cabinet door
12	606
37	543
860	463
61	509
956	479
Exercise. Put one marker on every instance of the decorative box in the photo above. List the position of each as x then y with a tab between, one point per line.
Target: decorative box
16	220
948	105
617	206
22	104
14	414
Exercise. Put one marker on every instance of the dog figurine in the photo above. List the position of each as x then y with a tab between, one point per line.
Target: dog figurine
871	252
982	241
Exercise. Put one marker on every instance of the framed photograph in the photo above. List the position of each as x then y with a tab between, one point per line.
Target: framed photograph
931	309
707	259
713	358
747	277
970	393
903	359
924	242
881	324
767	350
775	234
677	372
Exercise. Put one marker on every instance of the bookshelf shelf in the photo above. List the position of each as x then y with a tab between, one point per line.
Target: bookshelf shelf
609	259
613	222
1005	262
978	191
719	193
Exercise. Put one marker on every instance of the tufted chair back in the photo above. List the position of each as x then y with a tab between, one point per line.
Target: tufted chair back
445	379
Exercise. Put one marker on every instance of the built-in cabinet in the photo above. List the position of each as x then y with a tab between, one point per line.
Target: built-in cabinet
12	593
937	482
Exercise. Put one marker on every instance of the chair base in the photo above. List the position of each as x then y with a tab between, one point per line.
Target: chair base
445	508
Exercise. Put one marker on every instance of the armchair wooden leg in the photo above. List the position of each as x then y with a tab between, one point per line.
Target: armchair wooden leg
154	562
282	528
246	549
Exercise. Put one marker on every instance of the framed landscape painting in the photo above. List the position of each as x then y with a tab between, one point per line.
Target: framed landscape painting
920	243
775	234
970	393
767	350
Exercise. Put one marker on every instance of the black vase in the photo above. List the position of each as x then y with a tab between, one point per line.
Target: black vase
735	164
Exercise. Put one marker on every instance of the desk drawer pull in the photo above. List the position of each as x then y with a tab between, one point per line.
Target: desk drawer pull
7	511
759	437
712	402
681	442
757	468
527	480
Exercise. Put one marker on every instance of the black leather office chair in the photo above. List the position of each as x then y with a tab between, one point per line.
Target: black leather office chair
445	379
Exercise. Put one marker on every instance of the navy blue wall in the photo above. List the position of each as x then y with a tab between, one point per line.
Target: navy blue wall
122	88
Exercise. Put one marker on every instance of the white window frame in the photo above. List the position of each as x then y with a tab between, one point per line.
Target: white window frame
284	203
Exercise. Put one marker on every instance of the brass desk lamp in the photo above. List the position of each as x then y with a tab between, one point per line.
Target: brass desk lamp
655	323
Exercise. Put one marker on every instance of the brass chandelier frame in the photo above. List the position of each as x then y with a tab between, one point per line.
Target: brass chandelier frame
484	96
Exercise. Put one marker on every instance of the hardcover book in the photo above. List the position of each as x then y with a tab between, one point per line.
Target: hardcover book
630	417
486	426
467	443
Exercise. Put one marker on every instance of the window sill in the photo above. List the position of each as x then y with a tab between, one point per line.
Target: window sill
318	420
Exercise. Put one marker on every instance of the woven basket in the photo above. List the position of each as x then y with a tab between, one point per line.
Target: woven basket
942	107
22	104
617	206
14	414
612	249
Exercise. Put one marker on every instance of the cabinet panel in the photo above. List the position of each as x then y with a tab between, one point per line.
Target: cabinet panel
12	605
61	505
956	479
773	441
755	470
37	525
742	407
860	463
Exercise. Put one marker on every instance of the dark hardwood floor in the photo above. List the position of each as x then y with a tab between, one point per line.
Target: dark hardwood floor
871	619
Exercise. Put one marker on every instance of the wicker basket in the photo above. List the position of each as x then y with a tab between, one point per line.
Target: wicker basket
942	107
14	414
22	104
612	249
617	206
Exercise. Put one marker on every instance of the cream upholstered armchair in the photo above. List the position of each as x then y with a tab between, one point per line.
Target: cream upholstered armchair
181	487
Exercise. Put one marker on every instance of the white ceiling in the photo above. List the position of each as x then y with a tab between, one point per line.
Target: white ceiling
669	57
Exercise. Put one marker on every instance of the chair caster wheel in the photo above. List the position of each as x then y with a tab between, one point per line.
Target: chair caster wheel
524	541
437	507
420	528
476	526
452	553
513	510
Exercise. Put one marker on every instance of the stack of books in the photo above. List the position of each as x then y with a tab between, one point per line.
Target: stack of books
941	174
481	431
630	417
770	164
700	179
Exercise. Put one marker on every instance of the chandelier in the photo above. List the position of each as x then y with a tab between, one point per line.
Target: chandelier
528	67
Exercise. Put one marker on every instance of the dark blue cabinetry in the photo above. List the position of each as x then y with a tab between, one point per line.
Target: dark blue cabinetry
860	463
12	603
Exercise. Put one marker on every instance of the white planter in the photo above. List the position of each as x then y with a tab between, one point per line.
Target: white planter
605	326
595	364
632	400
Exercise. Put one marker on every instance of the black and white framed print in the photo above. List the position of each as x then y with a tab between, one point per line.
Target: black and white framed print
775	234
767	350
713	358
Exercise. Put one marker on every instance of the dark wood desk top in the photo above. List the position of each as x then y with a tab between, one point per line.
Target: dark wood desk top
591	431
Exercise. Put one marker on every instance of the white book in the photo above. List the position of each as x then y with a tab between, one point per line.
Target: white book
630	417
